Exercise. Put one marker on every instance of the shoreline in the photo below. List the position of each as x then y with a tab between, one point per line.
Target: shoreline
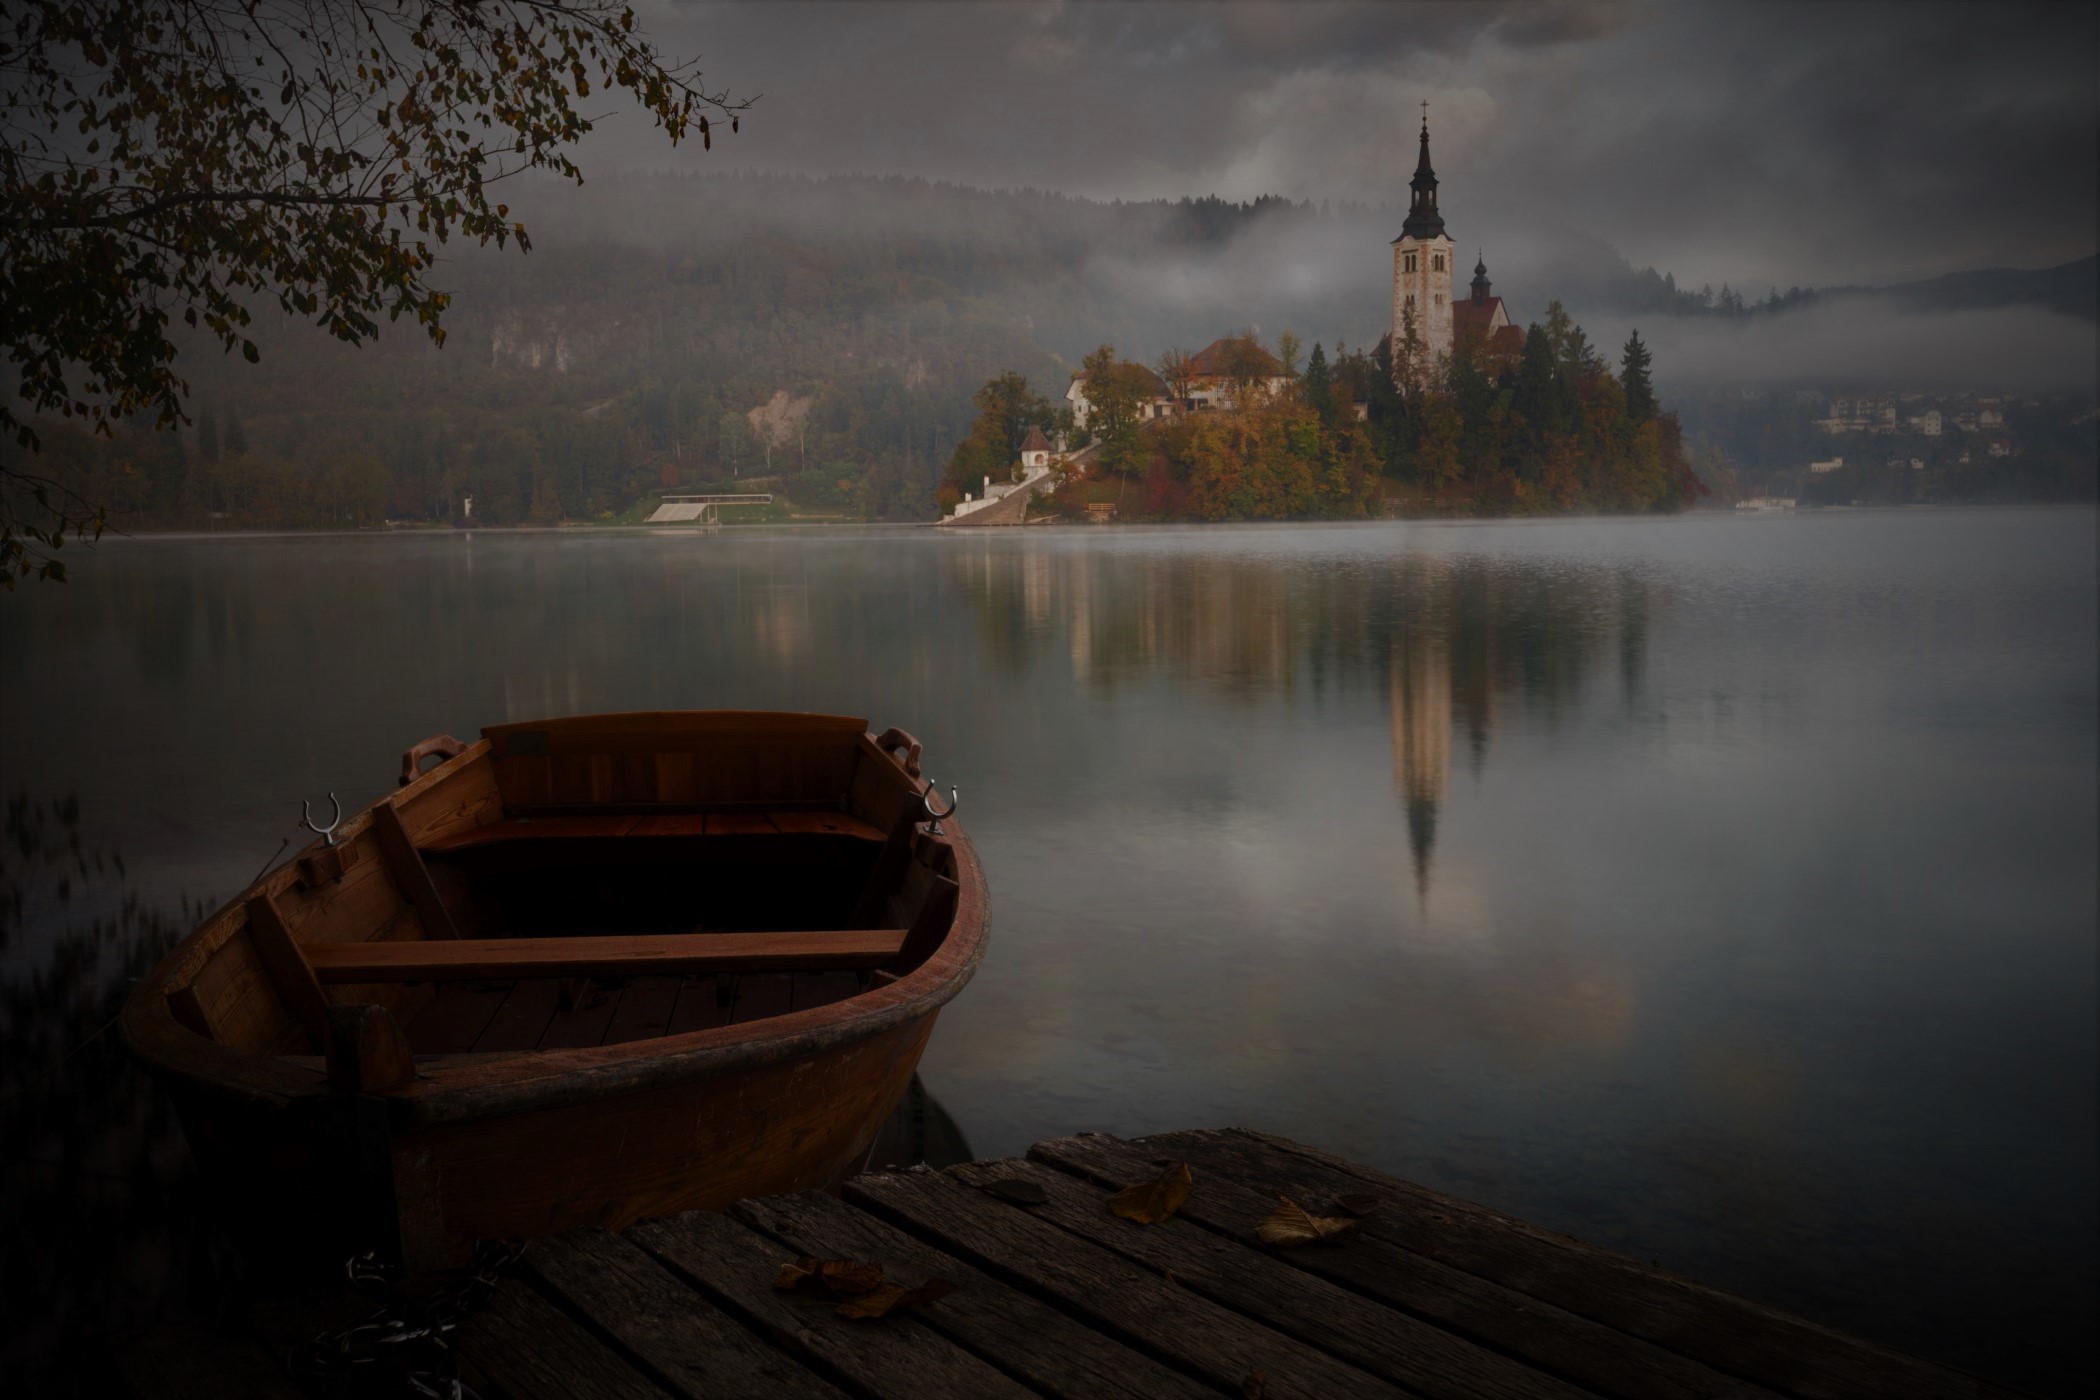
115	535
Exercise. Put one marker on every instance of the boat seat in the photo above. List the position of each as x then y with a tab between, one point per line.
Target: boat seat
630	826
609	955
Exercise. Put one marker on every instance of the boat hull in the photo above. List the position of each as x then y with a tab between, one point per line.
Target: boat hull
421	1154
318	1178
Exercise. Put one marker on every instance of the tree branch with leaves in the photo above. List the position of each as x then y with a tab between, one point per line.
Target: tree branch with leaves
188	159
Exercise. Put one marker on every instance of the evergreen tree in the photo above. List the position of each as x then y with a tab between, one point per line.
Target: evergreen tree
1319	382
1640	388
207	436
235	442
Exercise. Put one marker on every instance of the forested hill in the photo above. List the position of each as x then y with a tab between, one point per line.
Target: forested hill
626	353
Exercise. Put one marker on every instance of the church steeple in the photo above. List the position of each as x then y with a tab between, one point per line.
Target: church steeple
1423	221
1482	288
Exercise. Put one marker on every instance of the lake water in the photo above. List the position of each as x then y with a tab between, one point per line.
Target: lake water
1719	890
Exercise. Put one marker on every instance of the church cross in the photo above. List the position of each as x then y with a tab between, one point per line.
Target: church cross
1425	116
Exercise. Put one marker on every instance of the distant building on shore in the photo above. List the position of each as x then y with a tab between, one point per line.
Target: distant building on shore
1212	376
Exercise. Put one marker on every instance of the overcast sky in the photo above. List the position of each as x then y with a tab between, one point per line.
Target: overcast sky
1766	143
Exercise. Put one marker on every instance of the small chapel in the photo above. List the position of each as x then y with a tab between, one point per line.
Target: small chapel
1424	261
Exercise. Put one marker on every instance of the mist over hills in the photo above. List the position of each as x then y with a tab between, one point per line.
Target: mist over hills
1150	275
2073	289
1070	273
624	354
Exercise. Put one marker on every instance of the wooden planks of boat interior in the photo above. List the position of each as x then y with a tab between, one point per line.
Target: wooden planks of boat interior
584	971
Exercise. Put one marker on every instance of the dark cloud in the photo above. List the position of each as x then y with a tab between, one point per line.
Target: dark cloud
1759	144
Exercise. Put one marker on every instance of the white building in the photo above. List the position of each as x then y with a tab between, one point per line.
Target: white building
1035	450
1213	382
1820	468
1929	423
1159	405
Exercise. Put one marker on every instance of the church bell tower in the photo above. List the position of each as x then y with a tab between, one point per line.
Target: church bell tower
1423	256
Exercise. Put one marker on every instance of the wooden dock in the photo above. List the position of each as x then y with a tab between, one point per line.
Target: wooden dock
1054	1295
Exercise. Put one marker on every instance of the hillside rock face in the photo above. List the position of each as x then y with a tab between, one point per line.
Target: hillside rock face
776	421
551	338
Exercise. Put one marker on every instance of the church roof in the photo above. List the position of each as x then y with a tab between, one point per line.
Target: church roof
1035	441
1477	315
1159	386
1212	361
1423	222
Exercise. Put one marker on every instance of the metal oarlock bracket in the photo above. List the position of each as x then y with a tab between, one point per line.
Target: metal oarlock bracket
328	863
926	797
326	833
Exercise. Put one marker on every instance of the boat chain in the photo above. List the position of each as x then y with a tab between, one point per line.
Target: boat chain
406	1346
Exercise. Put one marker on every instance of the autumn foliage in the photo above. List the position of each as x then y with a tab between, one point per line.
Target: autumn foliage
1549	429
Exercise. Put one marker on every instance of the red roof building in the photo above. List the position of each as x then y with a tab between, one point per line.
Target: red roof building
1482	321
1215	360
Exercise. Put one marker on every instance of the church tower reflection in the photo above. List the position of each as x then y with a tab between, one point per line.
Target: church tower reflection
1419	698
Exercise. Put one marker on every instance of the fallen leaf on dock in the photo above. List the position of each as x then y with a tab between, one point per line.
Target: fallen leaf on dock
1291	1223
891	1297
1150	1202
858	1284
838	1278
1255	1385
1013	1188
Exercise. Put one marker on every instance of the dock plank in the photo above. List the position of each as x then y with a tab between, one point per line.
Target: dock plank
902	1359
525	1347
1020	1334
1590	1354
1403	1349
1148	1311
1429	1297
686	1342
1746	1339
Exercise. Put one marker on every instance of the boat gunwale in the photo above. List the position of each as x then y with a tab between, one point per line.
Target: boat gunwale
480	1086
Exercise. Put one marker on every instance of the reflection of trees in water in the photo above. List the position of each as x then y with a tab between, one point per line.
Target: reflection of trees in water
104	1223
1449	640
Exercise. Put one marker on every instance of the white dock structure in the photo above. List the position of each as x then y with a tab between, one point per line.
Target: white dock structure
702	509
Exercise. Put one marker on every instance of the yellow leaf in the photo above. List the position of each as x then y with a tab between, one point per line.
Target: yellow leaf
1291	1223
1150	1202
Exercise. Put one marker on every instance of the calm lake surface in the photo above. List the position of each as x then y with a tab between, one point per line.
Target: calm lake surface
1718	890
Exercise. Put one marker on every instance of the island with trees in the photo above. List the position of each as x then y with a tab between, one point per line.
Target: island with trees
1239	431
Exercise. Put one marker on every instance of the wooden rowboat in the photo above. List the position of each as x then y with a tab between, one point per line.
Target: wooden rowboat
582	972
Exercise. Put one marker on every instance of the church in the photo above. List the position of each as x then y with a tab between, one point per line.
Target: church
1424	261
